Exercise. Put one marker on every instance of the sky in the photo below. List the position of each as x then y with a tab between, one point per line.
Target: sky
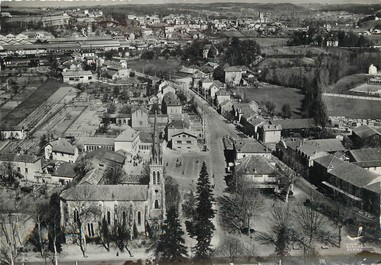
35	3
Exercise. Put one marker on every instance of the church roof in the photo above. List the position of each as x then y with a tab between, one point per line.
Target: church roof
106	193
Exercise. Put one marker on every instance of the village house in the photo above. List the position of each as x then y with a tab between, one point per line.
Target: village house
117	71
171	105
233	75
249	147
28	166
61	150
184	140
296	127
259	170
222	96
89	144
77	77
368	158
12	132
140	118
300	154
58	173
127	141
348	183
270	133
366	136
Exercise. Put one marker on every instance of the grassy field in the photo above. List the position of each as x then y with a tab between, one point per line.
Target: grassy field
152	66
353	108
31	103
278	95
346	83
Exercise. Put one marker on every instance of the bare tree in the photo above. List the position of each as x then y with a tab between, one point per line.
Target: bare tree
311	225
231	249
9	240
244	203
280	235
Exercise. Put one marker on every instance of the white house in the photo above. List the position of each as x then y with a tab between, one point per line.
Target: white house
61	150
77	77
127	141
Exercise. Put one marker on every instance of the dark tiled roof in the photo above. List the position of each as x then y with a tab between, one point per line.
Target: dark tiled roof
63	146
65	170
106	154
365	131
366	155
106	193
19	158
249	146
232	69
178	124
252	165
353	174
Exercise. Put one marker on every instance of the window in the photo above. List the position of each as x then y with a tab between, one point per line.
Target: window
92	229
139	218
154	177
90	77
108	217
184	136
124	217
189	142
140	122
26	170
76	217
158	177
88	230
18	169
156	204
179	142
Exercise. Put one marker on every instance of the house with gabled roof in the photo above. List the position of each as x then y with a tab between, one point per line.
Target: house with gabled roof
293	127
259	170
140	117
171	105
345	181
61	150
300	154
28	166
233	75
58	173
89	144
368	158
127	141
245	147
366	136
184	141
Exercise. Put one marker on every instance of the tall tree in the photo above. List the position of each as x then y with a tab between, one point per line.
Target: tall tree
203	226
171	242
55	235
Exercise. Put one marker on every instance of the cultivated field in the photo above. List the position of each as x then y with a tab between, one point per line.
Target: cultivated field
353	108
38	97
278	95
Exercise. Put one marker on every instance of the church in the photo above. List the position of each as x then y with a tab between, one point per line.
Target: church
140	207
